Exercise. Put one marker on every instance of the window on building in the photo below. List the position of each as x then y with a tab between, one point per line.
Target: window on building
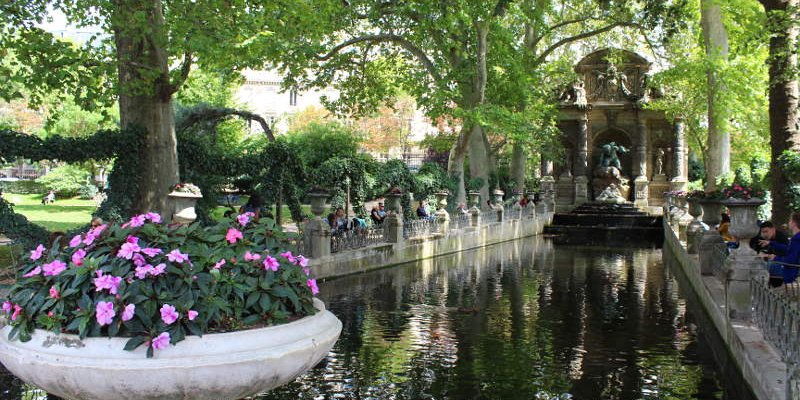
293	97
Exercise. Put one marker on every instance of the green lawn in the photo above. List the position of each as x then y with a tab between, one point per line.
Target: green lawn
63	215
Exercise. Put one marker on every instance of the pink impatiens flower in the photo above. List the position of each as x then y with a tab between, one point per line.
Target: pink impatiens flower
104	313
107	282
312	284
168	314
151	252
161	341
78	256
127	313
142	271
233	235
34	272
138	260
248	256
219	264
301	261
7	306
76	241
244	219
192	314
54	268
54	294
17	312
127	250
177	257
288	255
271	263
137	221
153	217
37	252
158	269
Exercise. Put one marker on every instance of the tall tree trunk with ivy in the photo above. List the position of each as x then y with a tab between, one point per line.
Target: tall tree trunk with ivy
145	97
718	162
518	166
783	95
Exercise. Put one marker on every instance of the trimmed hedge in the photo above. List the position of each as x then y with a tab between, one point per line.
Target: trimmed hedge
22	187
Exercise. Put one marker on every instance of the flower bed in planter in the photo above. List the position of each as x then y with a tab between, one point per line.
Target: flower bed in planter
148	286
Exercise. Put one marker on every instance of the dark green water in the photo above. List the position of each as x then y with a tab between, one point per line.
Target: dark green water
522	320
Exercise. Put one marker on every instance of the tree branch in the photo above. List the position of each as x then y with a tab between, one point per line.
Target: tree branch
215	114
186	67
543	56
399	40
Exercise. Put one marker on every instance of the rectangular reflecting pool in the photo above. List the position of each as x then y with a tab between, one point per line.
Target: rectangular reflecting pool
521	320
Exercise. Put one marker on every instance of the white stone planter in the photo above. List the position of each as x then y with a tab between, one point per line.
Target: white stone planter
217	366
184	206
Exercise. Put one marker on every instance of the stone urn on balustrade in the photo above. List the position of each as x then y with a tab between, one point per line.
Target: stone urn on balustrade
744	224
393	200
711	239
696	227
184	197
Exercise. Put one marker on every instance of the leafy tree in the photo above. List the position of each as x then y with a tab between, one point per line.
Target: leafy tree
143	57
319	142
66	180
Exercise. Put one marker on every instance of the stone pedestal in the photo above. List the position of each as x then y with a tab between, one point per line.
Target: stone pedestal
641	192
696	228
744	262
565	191
678	184
183	207
711	238
318	235
581	190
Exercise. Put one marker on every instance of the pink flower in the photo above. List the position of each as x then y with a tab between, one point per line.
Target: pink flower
271	263
7	306
177	257
288	255
168	314
50	314
78	256
132	239
127	313
192	314
219	264
54	268
76	241
34	272
104	313
141	272
248	256
138	260
301	261
17	312
109	282
137	221
151	252
233	235
96	231
244	219
312	284
89	239
161	341
54	294
127	250
153	217
37	252
158	269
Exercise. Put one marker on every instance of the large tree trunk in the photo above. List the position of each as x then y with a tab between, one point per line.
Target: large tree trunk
783	96
719	140
518	166
479	160
455	165
146	98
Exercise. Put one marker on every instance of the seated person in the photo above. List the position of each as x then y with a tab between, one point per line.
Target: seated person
422	213
785	266
524	202
723	228
768	233
254	205
375	215
462	209
360	223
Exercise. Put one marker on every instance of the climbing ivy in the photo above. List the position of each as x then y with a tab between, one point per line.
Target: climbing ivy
123	182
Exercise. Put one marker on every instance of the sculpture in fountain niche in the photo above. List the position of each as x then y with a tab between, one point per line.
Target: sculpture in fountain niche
660	161
575	94
609	186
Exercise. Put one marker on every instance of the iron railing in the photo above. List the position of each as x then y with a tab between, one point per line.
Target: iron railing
489	216
357	238
776	313
419	227
460	220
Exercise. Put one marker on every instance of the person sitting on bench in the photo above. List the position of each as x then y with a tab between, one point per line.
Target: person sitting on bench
785	266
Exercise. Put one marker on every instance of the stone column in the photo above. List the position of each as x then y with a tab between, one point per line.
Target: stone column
582	159
393	224
679	180
316	231
641	189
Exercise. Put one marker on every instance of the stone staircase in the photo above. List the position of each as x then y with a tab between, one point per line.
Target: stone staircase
611	224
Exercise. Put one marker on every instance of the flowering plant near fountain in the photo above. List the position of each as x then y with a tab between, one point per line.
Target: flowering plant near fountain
157	284
741	192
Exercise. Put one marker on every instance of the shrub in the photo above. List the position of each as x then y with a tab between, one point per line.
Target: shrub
22	187
66	180
158	283
87	191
